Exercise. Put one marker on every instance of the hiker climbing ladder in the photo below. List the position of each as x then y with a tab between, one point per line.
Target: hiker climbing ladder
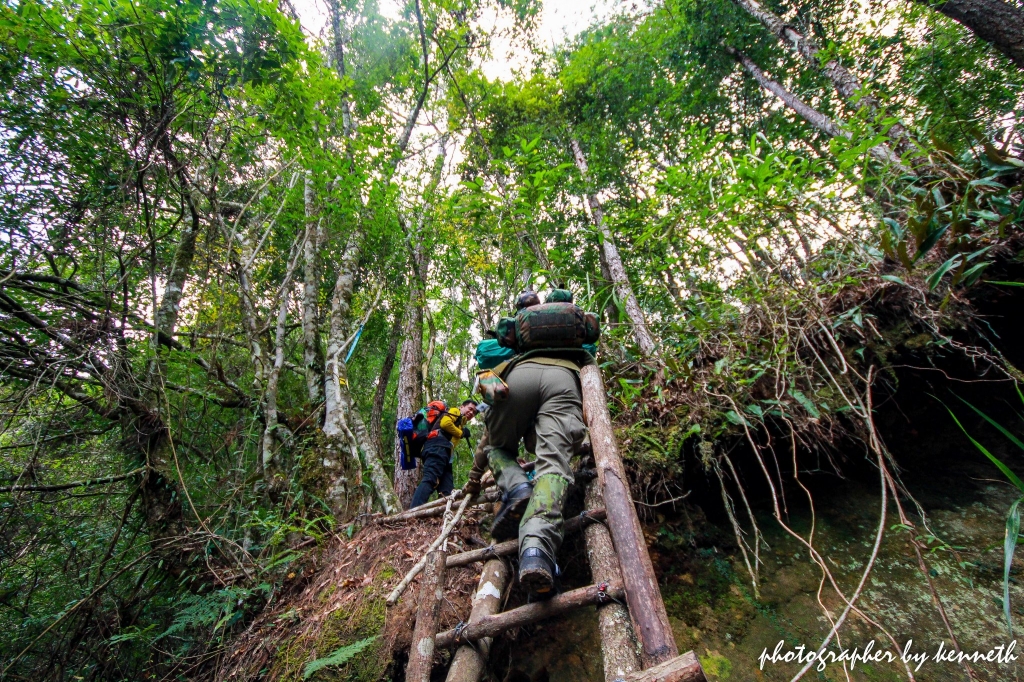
620	565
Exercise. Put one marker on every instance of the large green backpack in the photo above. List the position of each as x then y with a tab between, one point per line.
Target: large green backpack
548	325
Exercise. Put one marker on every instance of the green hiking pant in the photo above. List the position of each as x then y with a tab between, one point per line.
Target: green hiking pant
545	410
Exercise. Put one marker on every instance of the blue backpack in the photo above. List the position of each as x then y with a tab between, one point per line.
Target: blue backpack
413	432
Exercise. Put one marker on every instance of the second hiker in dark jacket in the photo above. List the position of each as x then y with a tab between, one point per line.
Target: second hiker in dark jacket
437	453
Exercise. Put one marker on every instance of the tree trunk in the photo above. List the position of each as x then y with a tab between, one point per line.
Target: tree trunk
372	455
410	380
383	381
273	431
470	660
161	492
410	377
338	38
311	351
616	270
165	318
994	21
618	640
818	120
845	82
342	469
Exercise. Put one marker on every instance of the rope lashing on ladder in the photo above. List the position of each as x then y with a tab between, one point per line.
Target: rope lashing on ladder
585	515
603	597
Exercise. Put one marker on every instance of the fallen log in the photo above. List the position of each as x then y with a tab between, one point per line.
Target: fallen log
437	507
685	668
510	547
642	592
428	614
619	649
470	659
491	626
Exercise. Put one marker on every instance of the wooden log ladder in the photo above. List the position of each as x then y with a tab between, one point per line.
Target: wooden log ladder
621	569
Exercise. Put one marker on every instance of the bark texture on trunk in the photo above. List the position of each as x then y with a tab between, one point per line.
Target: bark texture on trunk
994	21
619	648
642	592
372	455
410	369
410	380
340	459
380	393
616	270
470	659
818	120
312	355
273	431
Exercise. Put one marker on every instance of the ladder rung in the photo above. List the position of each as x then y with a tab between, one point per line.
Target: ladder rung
683	668
511	546
492	626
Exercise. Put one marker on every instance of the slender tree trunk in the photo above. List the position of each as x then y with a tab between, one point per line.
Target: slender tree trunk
161	492
250	319
385	492
846	83
270	400
410	376
338	37
266	372
165	318
818	120
410	380
342	469
341	303
611	311
380	394
994	21
616	270
312	355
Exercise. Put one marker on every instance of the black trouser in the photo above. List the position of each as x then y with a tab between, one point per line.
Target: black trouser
437	472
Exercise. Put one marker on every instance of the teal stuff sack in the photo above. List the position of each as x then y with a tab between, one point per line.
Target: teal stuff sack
490	354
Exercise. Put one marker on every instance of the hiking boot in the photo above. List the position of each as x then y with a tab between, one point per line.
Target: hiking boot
537	573
513	504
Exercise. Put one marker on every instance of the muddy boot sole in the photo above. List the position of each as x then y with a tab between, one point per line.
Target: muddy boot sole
537	575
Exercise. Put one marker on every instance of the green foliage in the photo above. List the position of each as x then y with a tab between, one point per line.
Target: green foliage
214	612
337	657
1012	536
209	148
